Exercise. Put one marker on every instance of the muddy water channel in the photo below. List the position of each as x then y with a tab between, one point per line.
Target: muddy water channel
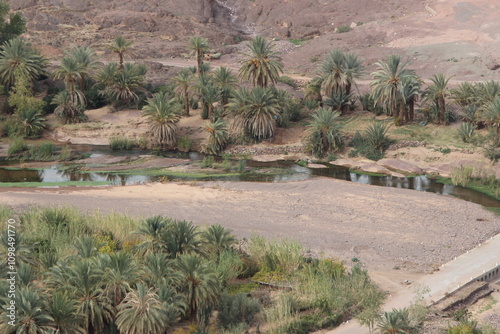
282	171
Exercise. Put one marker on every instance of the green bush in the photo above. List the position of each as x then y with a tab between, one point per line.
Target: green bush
236	309
303	325
343	29
466	131
11	127
44	151
121	144
184	143
207	162
376	136
287	81
65	154
17	146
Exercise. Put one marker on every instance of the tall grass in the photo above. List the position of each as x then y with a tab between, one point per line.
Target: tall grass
282	256
53	229
17	146
44	151
281	314
121	144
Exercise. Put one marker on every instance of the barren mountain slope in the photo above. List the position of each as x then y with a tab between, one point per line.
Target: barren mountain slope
460	38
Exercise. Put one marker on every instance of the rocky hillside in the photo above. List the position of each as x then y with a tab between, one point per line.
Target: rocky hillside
456	37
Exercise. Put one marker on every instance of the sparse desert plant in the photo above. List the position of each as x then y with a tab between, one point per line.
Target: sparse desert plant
342	29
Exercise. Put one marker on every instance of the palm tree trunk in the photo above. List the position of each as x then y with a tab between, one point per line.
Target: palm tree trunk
442	108
186	101
348	88
199	61
121	60
412	108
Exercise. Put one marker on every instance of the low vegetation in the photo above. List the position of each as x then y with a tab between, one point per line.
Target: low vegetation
97	270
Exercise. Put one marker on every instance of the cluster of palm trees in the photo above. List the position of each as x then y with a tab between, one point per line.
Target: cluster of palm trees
173	274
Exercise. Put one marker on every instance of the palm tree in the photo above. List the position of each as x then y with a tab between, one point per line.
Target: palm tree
257	113
208	93
181	237
120	273
87	58
395	322
183	82
199	282
325	132
218	238
313	90
263	65
225	82
338	101
158	268
163	115
71	72
66	110
339	70
411	89
491	114
437	93
32	122
142	312
388	85
16	54
83	281
63	310
151	229
120	45
31	315
199	46
174	302
122	85
218	137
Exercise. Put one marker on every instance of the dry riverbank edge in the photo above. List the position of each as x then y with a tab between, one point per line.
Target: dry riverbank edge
397	234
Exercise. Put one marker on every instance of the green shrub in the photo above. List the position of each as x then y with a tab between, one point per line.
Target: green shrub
184	143
12	128
343	29
44	151
241	166
236	309
376	136
287	81
65	154
17	146
207	162
303	325
325	132
466	131
121	144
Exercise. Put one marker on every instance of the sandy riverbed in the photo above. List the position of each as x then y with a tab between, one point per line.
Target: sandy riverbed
394	232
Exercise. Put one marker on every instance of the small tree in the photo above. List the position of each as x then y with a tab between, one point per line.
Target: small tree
12	27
